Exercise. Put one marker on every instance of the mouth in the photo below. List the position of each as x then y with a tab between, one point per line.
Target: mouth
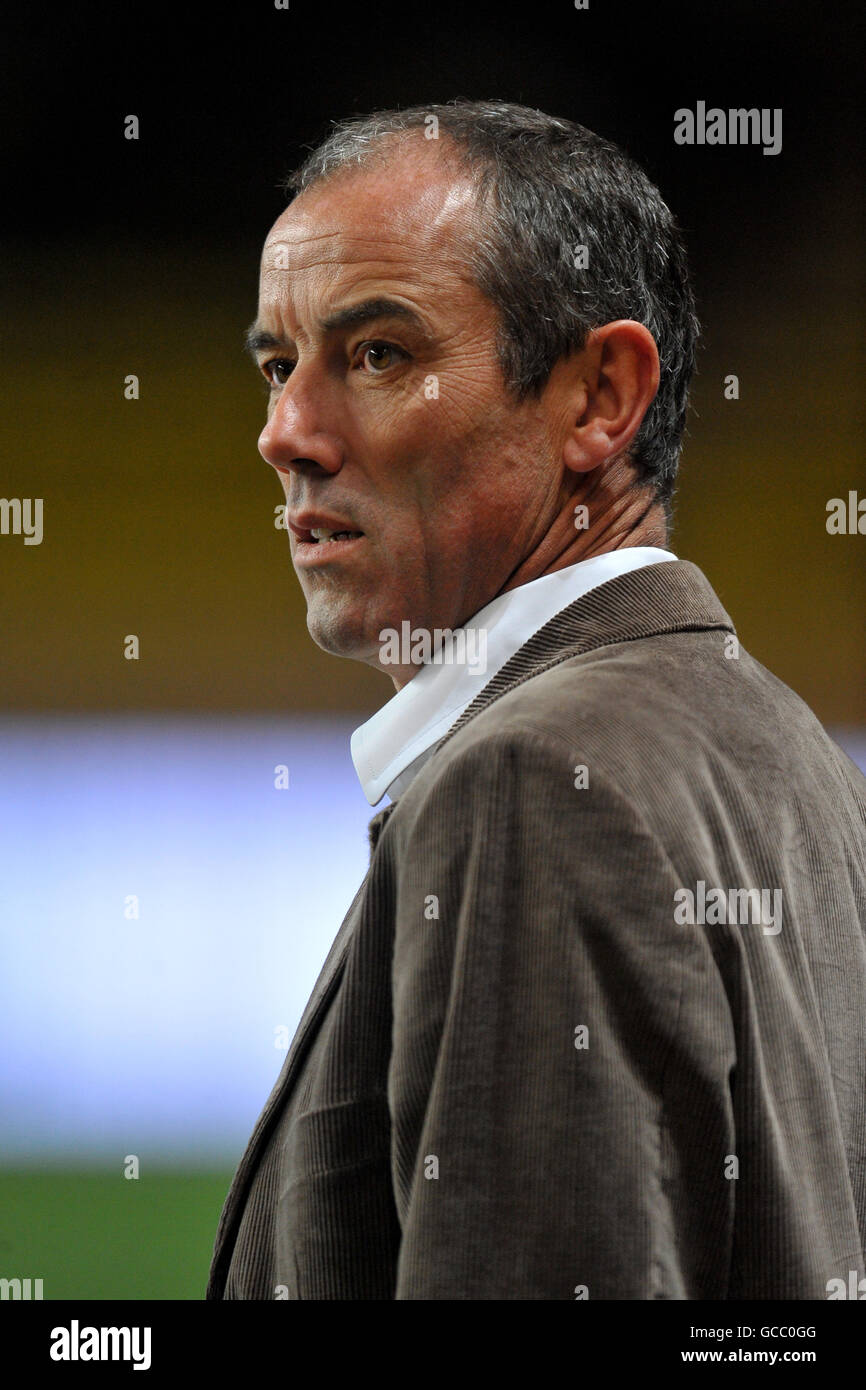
320	546
318	539
320	535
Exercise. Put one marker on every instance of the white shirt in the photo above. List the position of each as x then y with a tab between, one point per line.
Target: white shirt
390	749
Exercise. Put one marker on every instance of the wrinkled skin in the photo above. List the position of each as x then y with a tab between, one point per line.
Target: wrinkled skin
460	491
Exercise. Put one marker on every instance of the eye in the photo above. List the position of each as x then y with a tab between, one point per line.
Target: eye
379	357
277	372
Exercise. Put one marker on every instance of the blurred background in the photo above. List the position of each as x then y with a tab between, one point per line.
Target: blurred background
165	908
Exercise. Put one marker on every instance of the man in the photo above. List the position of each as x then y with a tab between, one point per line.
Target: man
595	1023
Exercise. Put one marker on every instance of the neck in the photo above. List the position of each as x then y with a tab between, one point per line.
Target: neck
602	514
617	516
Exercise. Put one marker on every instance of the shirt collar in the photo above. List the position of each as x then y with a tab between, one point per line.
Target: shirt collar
390	749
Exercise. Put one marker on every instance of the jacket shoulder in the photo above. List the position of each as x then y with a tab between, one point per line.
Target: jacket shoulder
681	718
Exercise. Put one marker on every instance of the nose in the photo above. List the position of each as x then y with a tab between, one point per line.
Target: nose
296	438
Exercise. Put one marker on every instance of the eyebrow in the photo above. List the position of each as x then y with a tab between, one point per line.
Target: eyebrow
259	340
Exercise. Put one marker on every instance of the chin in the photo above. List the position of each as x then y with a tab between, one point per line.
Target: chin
342	634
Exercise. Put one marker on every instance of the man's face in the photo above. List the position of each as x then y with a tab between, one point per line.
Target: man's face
394	424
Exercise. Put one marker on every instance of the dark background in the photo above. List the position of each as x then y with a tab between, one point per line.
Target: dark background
156	1038
141	257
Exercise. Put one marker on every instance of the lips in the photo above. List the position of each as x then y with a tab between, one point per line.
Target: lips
318	554
317	528
321	536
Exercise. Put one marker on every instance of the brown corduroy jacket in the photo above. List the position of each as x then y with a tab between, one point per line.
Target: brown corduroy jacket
595	1023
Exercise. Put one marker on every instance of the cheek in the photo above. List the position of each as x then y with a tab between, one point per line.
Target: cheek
411	462
445	468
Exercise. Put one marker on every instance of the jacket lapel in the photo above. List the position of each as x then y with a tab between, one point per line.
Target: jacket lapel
329	977
323	990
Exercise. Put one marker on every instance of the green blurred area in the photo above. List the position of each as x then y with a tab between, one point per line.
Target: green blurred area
99	1235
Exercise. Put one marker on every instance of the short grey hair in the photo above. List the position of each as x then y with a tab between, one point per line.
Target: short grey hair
547	187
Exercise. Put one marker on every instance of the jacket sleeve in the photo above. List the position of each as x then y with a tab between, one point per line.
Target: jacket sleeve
559	1085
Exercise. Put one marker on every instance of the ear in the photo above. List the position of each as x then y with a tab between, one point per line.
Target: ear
615	379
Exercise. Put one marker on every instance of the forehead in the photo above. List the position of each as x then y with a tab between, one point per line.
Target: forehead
408	220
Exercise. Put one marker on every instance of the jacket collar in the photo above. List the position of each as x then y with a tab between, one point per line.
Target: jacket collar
671	597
